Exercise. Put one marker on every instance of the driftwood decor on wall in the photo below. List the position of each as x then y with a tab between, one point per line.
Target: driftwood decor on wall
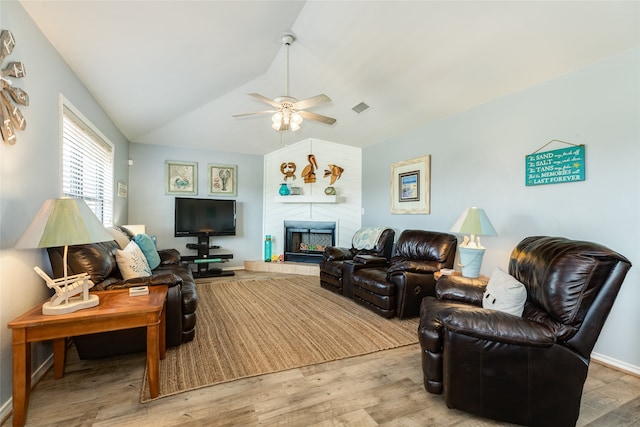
11	117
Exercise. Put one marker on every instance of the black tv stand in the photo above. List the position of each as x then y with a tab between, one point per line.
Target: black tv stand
205	258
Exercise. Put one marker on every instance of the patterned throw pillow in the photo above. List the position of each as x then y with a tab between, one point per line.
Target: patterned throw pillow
148	249
132	262
367	237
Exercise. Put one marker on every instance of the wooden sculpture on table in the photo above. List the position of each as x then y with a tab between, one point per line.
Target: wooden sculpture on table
71	293
308	173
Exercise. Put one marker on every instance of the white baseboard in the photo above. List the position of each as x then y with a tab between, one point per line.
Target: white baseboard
617	364
7	408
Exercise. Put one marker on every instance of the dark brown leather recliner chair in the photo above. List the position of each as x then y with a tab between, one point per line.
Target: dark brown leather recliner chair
333	257
531	369
396	288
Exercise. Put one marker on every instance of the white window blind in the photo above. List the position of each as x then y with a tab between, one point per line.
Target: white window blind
87	166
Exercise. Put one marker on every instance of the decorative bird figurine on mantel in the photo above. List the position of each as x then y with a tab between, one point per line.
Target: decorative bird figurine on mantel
335	172
308	173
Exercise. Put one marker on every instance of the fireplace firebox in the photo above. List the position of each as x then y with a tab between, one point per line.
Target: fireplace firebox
304	241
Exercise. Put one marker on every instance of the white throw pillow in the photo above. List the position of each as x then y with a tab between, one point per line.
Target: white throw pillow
132	262
121	238
504	293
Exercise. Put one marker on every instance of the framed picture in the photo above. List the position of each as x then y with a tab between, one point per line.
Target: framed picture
223	180
182	177
410	186
122	190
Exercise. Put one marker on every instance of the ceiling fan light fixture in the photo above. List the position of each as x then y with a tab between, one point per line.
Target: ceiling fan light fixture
286	120
289	112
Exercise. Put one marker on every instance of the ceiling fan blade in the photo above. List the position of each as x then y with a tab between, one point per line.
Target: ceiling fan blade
317	117
266	100
257	112
310	102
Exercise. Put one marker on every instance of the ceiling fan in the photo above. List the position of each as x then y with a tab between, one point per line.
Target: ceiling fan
288	112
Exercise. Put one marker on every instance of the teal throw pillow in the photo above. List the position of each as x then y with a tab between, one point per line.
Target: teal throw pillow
148	249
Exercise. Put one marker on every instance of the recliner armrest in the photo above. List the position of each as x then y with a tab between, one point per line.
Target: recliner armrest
334	253
496	326
418	266
462	289
370	260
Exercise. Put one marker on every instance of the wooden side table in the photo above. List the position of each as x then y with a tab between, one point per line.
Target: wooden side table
116	310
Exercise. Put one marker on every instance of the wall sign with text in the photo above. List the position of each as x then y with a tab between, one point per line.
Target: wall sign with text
555	166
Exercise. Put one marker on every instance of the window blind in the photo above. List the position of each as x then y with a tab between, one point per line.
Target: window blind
87	166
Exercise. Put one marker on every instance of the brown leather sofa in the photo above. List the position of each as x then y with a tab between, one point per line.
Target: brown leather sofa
99	261
333	258
530	369
396	288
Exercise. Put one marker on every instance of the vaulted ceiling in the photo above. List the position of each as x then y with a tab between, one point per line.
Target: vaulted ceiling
174	72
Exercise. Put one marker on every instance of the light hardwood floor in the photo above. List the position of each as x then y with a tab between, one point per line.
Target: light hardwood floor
379	389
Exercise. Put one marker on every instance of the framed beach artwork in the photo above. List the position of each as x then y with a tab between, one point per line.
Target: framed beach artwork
410	186
182	177
223	180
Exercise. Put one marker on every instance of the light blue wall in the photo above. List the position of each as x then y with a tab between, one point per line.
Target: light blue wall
477	159
150	205
30	174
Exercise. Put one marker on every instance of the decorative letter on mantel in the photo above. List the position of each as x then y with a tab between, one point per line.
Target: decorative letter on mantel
555	166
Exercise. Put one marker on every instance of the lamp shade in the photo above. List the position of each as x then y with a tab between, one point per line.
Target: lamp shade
473	221
62	222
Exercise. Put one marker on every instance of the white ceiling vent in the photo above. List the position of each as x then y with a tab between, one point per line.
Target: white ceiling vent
361	108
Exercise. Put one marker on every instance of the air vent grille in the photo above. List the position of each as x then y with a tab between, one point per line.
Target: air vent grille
361	108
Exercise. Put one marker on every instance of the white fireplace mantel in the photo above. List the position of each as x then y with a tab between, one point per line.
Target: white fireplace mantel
306	199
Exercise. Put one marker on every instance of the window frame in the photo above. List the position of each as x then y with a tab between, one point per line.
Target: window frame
67	109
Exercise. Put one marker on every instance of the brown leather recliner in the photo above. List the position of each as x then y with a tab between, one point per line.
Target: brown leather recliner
333	257
530	369
99	261
397	288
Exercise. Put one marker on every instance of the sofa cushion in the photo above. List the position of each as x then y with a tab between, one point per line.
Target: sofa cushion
132	262
148	249
98	260
504	293
169	256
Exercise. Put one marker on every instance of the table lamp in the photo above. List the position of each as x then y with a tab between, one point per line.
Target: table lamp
64	222
474	222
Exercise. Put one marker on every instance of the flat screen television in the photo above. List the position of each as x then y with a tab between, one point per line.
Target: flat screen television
204	217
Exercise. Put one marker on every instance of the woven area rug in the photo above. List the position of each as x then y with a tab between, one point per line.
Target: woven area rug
255	327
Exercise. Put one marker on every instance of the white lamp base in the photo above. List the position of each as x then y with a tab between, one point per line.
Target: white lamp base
470	260
74	304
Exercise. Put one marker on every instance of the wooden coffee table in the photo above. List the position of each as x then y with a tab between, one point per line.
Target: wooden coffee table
116	310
